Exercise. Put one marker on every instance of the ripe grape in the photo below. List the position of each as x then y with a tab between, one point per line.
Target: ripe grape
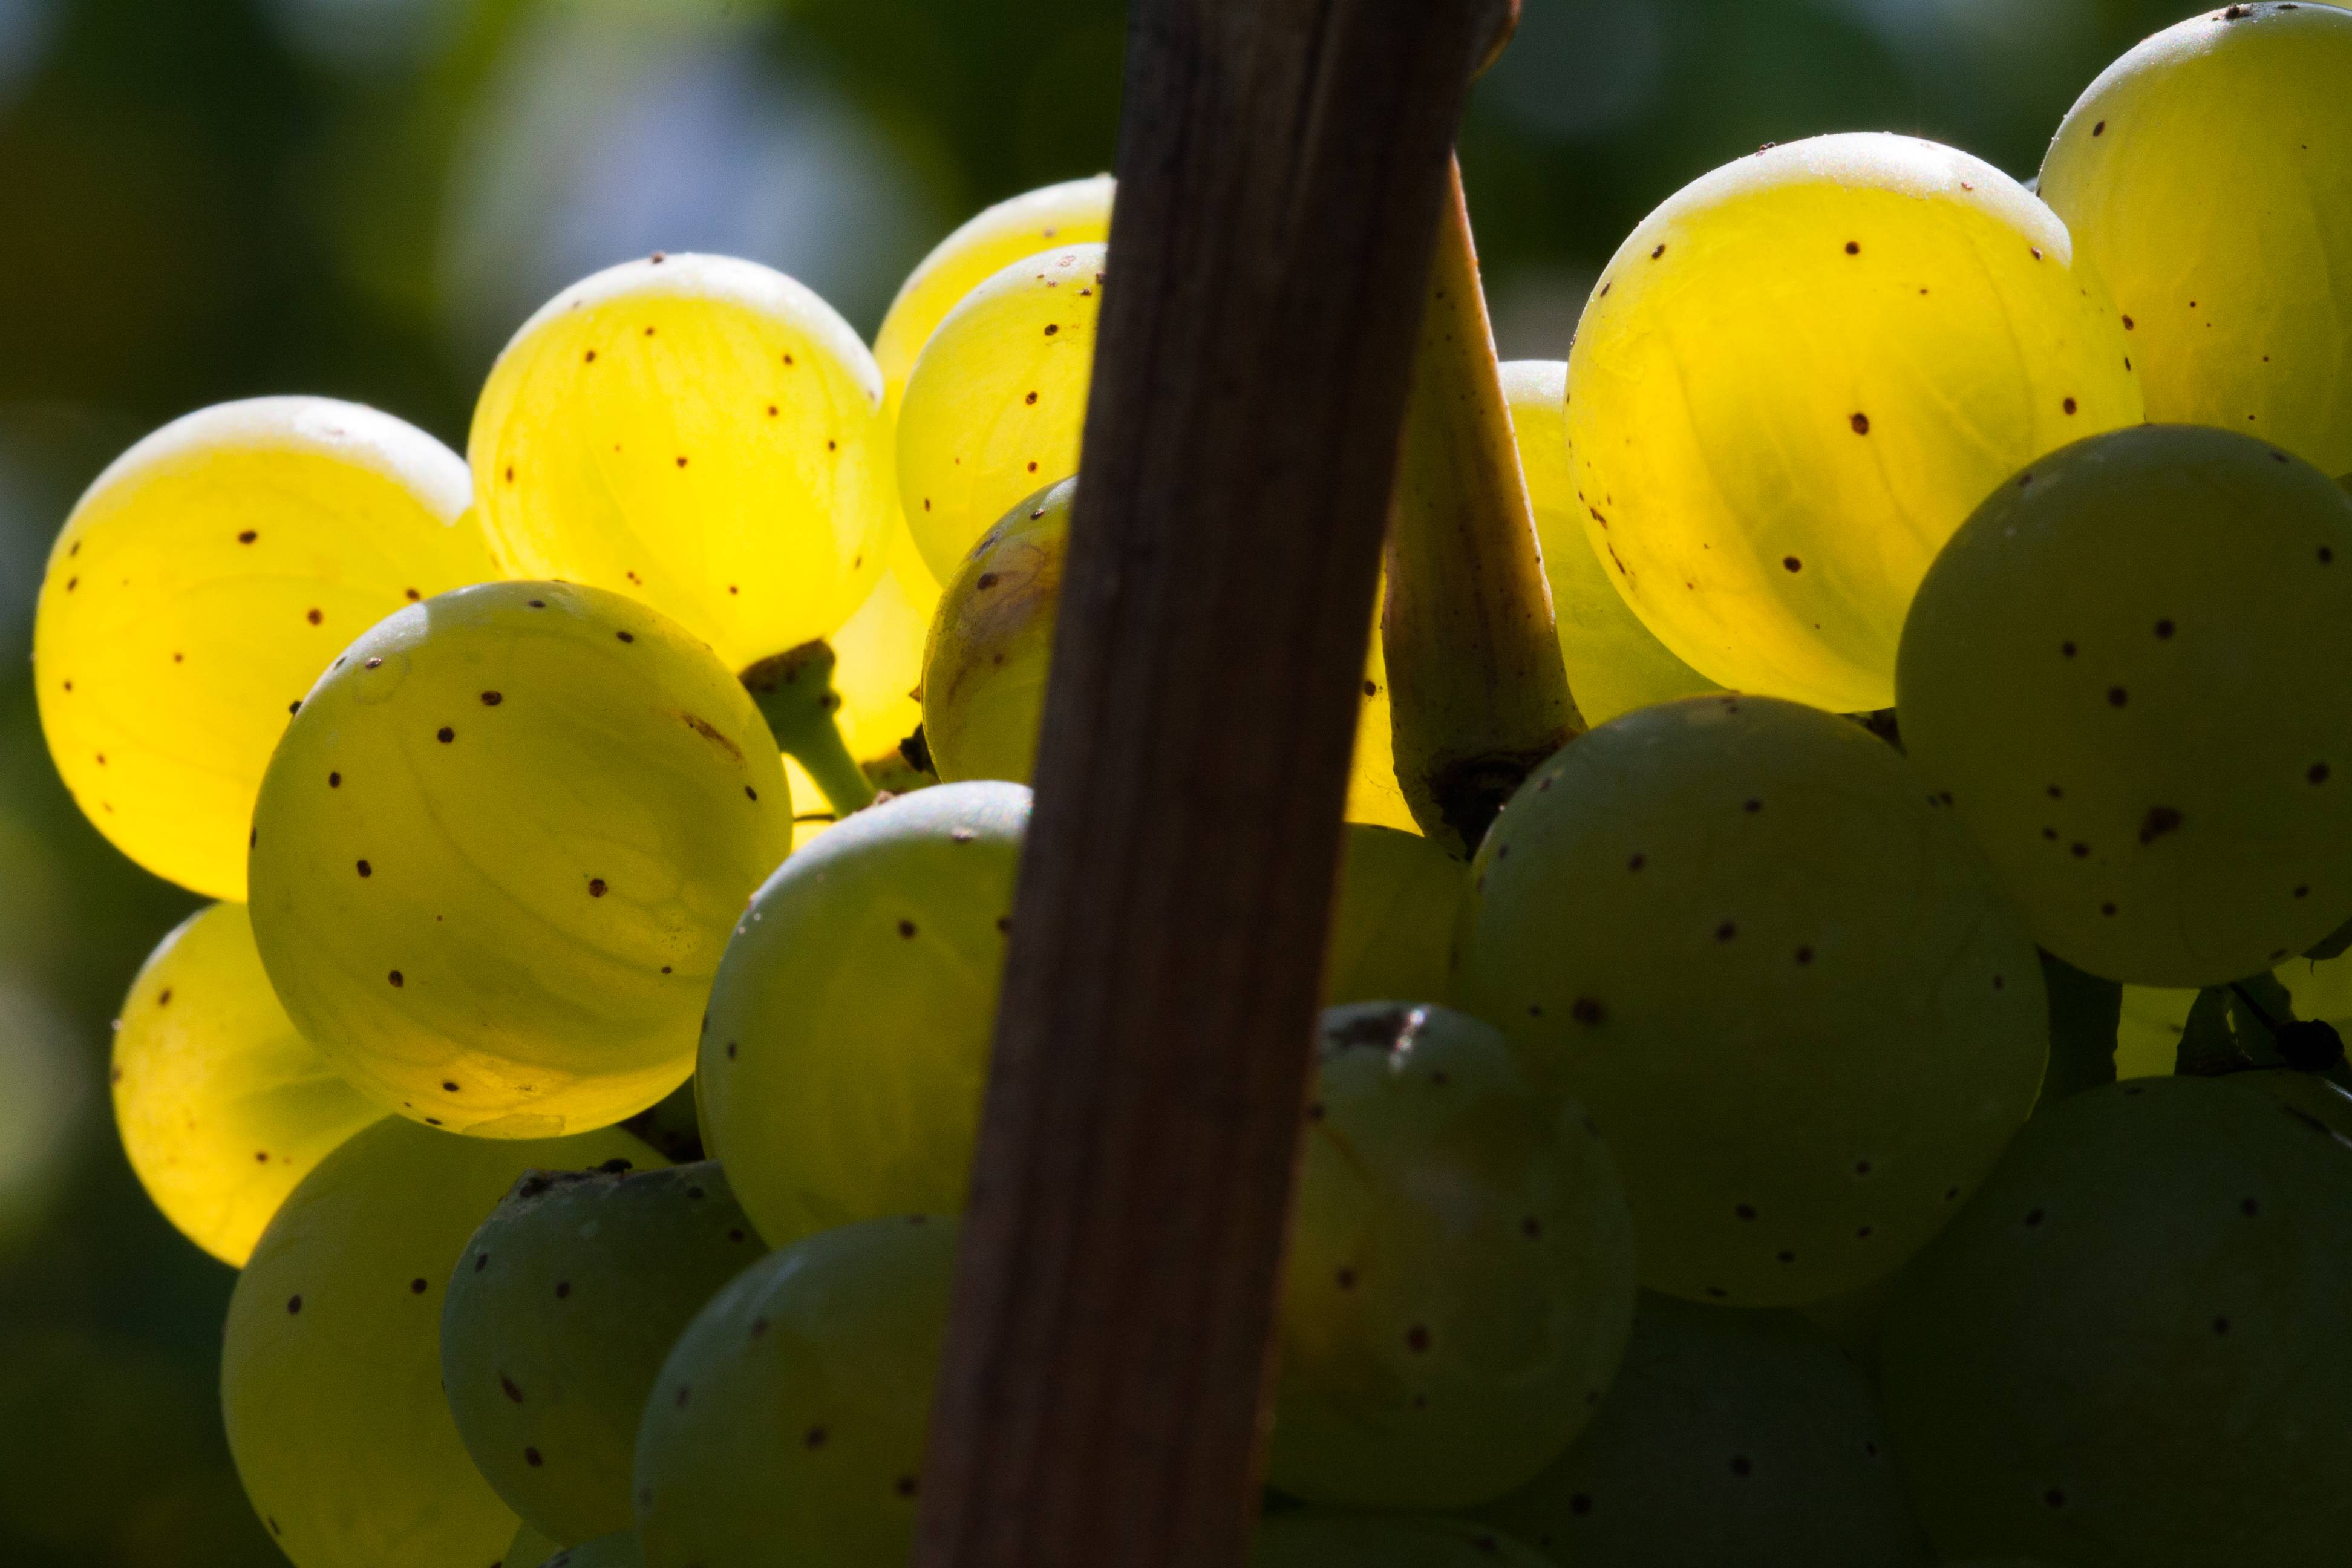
2117	674
847	1043
2207	177
879	656
1393	929
1798	377
222	1107
992	643
618	1549
2148	1042
530	1549
1311	1538
787	1427
551	1340
330	1370
1730	1439
1803	1016
2131	1347
1077	212
201	585
995	403
499	851
1461	1278
1615	663
700	434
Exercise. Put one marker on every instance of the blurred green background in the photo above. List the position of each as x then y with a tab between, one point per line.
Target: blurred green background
210	199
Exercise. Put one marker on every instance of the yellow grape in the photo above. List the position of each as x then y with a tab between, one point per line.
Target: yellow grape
330	1366
995	406
199	588
2207	176
2120	675
498	853
529	1549
1393	929
992	641
2147	1037
1077	212
699	433
222	1106
1801	375
1615	663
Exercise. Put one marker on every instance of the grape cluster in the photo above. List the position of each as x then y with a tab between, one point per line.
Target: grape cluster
1877	1099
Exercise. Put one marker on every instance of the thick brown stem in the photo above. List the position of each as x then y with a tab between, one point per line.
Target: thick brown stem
1281	170
1475	673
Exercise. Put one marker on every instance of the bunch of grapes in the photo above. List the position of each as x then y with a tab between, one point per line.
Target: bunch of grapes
1877	1099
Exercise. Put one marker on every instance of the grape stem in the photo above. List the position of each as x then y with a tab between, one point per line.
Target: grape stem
1480	695
794	692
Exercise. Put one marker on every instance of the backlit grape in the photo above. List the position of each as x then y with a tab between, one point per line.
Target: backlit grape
697	433
2207	177
1392	929
1801	375
1777	975
331	1368
221	1106
499	852
199	588
1311	1538
2119	674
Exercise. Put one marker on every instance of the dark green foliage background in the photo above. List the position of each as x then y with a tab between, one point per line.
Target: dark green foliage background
209	199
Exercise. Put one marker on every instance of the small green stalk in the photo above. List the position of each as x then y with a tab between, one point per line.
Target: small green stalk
794	692
1480	695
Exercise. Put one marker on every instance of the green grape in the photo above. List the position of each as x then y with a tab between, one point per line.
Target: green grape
1393	930
1739	932
330	1366
2311	1100
222	1107
2157	769
846	1045
673	1125
529	1549
699	433
787	1427
499	851
1615	663
992	644
199	588
1796	379
1730	1439
2131	1349
2148	1043
996	402
618	1549
551	1339
1077	212
992	641
1313	1539
1460	1279
2207	177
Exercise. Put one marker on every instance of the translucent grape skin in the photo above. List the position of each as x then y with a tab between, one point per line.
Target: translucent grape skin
700	434
1076	212
200	587
221	1105
788	1424
992	643
2129	1350
994	407
498	853
2207	175
1807	1023
1392	929
331	1371
1730	1439
1311	1538
558	1319
529	1549
1461	1276
2156	770
1797	378
846	1045
1615	663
